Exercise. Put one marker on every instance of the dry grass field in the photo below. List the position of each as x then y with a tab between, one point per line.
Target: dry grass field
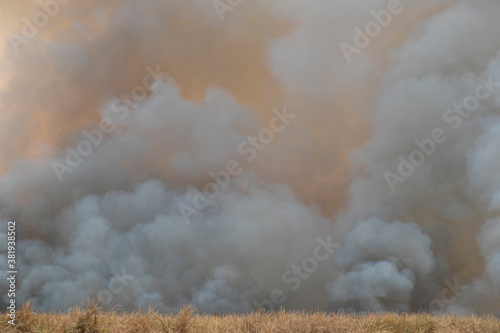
92	320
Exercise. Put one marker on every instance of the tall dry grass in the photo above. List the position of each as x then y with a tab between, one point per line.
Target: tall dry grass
92	320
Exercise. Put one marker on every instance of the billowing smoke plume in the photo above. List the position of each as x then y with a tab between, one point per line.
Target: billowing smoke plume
358	179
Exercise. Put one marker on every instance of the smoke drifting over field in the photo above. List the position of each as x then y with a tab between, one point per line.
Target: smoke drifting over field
415	235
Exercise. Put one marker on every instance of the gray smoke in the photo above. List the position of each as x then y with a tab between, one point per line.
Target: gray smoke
114	227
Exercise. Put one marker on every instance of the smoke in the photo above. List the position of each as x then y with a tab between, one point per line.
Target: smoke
111	225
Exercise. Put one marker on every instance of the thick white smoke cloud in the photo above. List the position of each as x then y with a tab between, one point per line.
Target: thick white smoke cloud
225	258
384	262
114	221
447	196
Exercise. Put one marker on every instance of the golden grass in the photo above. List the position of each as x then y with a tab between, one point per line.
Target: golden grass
91	320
